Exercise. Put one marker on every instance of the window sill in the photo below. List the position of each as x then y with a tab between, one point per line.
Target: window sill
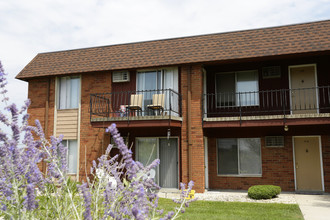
239	175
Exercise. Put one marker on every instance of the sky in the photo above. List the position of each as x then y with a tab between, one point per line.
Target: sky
36	26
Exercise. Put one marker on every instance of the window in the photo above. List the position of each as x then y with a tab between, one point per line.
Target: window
163	80
69	92
72	155
239	156
237	88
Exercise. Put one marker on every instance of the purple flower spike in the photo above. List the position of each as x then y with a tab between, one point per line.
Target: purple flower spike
30	198
87	201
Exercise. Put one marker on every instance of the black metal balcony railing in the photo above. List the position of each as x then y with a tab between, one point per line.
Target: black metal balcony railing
128	104
268	102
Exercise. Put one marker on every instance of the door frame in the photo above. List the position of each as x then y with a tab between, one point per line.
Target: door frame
178	153
294	159
206	162
316	83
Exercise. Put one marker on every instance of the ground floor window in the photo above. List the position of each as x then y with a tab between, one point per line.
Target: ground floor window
165	149
239	156
72	155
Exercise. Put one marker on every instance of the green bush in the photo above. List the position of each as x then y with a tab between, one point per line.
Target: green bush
263	191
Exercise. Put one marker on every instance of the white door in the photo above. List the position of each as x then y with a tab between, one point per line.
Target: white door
308	164
303	91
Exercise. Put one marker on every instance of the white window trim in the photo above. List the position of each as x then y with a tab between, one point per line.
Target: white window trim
79	117
238	175
235	89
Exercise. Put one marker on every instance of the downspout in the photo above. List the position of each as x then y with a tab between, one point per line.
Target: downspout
46	117
189	122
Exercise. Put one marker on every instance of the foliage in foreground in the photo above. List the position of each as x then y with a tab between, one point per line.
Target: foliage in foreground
264	191
120	187
236	210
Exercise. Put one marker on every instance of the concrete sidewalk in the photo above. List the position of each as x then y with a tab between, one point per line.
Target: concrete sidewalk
314	207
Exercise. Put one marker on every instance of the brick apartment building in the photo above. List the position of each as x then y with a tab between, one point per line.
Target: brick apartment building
226	110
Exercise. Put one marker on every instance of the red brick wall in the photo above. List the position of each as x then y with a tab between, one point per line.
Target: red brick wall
196	145
37	92
277	163
277	168
92	140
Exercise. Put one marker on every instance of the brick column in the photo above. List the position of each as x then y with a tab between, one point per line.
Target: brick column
37	110
92	143
192	145
326	161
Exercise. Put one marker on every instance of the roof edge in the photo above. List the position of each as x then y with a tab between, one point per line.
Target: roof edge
190	36
179	64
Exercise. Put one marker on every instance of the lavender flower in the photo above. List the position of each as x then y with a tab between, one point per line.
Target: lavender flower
131	166
87	199
121	188
30	198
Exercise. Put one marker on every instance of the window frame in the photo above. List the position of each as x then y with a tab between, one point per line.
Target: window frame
157	138
65	142
236	104
238	174
58	92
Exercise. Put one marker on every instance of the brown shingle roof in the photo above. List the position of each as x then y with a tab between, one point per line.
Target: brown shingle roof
291	39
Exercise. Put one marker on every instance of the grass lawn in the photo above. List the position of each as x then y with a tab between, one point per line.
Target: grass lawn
235	210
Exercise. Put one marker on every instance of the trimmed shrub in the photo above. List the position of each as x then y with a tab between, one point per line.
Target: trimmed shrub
263	191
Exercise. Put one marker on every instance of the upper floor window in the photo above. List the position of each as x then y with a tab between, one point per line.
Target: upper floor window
237	88
167	78
69	92
163	81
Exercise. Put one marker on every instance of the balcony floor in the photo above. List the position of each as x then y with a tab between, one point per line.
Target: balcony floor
138	121
268	120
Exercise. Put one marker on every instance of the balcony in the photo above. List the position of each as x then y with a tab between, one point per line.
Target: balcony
136	107
267	104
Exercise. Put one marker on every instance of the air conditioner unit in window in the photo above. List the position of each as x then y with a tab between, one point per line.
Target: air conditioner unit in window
120	76
271	72
274	141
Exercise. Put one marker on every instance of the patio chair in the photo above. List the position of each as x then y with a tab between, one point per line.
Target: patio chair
157	102
136	103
